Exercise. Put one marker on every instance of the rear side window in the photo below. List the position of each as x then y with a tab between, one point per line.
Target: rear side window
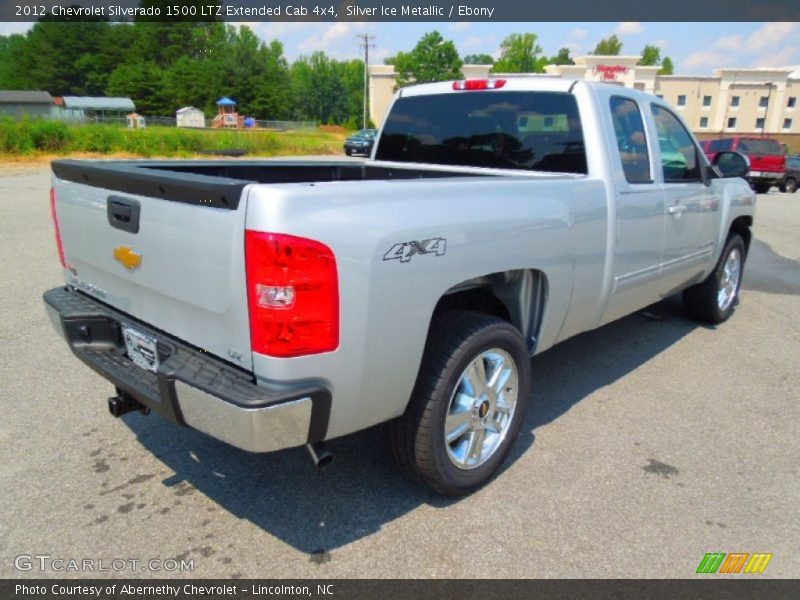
752	146
631	139
537	131
680	160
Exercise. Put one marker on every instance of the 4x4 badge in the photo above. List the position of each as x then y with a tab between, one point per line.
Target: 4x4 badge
405	250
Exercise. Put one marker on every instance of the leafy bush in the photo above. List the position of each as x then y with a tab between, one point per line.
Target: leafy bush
50	136
55	137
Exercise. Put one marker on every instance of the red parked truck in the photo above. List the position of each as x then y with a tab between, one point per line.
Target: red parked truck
767	158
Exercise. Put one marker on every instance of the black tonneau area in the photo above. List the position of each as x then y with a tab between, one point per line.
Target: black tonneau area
219	184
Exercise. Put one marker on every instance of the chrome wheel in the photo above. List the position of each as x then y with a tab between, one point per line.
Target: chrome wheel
729	282
481	409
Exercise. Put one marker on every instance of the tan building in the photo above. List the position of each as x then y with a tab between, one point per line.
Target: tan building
731	102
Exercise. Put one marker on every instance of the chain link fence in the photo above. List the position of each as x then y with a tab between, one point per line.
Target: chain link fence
122	121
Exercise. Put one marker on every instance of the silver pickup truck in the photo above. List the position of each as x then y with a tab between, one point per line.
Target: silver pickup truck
277	304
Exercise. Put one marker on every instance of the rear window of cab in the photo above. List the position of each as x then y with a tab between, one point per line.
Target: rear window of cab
537	131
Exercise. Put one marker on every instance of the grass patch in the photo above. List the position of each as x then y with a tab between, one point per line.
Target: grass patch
32	138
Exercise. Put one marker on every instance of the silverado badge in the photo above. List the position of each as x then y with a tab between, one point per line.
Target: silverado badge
126	255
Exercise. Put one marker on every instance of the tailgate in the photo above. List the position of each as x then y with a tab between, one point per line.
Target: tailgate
767	162
180	268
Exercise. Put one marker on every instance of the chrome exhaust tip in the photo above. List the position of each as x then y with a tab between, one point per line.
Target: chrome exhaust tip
319	454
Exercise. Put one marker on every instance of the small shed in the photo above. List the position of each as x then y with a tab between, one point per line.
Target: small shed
135	121
32	103
189	116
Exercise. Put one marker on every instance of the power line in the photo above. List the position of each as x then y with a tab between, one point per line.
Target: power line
365	44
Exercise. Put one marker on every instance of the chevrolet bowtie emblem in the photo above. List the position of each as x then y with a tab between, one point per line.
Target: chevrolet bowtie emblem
127	257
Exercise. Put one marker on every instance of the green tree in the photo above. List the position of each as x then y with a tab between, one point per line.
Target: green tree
478	59
651	56
610	46
192	83
164	66
667	67
164	42
144	83
562	58
432	59
56	55
10	76
519	53
273	95
327	90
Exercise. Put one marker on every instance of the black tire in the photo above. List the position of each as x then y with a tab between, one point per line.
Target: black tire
348	152
790	187
761	188
701	300
416	439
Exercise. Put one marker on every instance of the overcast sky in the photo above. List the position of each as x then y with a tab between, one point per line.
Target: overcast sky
696	48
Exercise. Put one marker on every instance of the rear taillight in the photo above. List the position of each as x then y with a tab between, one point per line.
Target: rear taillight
478	84
54	214
293	294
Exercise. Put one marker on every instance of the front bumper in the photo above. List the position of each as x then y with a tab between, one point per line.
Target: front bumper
766	176
191	387
365	149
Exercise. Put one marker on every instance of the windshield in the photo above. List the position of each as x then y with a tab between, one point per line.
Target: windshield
760	146
507	130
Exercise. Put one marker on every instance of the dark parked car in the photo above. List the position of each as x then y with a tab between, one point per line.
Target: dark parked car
360	142
789	183
767	158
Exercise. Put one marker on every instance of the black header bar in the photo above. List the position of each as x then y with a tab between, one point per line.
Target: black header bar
397	589
403	11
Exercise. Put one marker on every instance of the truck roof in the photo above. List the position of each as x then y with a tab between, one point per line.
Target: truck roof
527	84
539	83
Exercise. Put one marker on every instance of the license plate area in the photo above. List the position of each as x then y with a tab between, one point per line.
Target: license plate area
141	349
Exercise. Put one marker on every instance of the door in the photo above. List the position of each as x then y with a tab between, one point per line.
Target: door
691	206
640	213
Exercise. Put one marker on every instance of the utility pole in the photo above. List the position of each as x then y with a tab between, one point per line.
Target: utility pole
365	44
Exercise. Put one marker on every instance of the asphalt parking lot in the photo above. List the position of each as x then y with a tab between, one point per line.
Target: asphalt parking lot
650	442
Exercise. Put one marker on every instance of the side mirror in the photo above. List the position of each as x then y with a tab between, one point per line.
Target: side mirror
732	164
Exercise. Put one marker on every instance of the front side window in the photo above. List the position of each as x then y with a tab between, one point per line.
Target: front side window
680	160
631	139
536	131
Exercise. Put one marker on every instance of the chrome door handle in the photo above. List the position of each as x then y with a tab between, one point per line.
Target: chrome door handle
677	209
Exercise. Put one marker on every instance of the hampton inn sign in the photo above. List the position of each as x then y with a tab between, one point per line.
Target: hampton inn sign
609	72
